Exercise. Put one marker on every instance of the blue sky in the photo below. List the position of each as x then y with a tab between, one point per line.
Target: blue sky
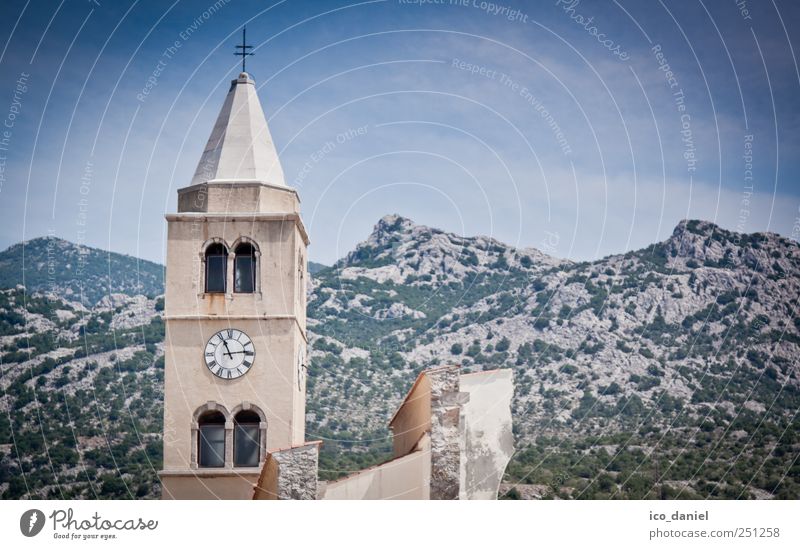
508	119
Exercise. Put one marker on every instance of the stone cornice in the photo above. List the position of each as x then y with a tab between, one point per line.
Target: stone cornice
230	217
211	472
240	317
239	183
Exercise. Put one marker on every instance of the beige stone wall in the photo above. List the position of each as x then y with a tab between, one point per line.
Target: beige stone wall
406	477
237	198
239	486
271	384
279	243
273	317
274	199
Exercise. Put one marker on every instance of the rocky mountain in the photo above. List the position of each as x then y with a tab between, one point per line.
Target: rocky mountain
665	372
669	371
78	273
81	396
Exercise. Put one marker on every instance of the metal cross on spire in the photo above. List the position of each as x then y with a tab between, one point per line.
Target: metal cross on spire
243	47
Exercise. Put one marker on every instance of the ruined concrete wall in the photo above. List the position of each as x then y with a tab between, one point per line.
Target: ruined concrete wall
267	485
462	456
290	473
413	418
488	439
447	441
406	477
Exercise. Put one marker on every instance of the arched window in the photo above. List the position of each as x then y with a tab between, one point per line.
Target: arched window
216	268
211	442
244	269
246	439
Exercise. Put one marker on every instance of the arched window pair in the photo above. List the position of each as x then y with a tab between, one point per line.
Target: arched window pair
215	435
244	268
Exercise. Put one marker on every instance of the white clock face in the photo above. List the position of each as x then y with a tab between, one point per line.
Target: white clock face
230	354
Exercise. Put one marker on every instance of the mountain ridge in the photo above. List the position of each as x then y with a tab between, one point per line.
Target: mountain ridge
386	221
52	264
687	348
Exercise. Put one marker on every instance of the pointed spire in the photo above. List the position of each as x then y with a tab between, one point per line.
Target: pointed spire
240	147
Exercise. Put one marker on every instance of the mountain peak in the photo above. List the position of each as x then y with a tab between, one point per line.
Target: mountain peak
39	241
408	253
696	242
696	226
709	229
392	223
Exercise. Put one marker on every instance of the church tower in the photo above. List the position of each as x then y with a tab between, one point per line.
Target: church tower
234	381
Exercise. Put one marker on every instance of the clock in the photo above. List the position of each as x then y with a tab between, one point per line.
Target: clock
229	354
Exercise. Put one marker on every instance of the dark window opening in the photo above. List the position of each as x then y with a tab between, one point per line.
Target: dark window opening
244	269
246	439
211	451
216	268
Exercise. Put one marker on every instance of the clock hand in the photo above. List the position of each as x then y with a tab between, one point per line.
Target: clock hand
226	348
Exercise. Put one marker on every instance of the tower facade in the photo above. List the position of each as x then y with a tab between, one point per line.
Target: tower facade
235	347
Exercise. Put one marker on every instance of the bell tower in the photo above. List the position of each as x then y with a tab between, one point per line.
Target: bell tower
235	311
